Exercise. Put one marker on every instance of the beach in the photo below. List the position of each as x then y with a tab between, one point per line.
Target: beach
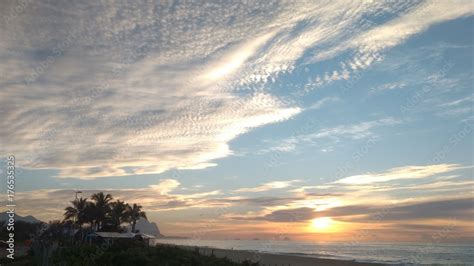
266	259
319	253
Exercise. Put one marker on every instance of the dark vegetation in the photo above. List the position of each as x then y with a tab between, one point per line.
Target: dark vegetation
19	261
103	214
23	230
62	242
136	255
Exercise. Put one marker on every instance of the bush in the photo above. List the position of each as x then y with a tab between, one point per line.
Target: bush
135	255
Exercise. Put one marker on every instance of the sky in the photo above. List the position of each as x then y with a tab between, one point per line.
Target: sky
312	120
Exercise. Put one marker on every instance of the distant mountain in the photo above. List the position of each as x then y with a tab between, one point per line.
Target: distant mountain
149	228
29	219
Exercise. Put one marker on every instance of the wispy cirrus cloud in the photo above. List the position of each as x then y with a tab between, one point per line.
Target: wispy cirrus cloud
141	89
161	99
322	102
459	107
269	186
388	87
468	99
406	172
370	44
353	131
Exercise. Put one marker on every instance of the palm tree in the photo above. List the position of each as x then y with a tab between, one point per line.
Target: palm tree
91	214
119	213
101	207
135	213
76	212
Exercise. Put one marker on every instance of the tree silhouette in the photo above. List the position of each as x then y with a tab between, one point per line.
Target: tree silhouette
102	214
101	208
119	214
77	212
135	214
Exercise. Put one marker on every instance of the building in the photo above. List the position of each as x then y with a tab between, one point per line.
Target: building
114	237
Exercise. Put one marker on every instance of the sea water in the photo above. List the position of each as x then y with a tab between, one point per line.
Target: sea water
388	253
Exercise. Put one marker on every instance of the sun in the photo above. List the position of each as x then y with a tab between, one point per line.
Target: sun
321	224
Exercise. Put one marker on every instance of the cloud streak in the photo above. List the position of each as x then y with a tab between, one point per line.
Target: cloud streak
399	173
355	131
269	186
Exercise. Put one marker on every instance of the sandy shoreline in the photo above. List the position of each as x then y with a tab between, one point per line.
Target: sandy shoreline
266	259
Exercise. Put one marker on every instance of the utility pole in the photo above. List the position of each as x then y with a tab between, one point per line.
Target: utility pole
77	192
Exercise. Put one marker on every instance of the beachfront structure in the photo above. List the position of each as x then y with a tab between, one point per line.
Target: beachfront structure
114	237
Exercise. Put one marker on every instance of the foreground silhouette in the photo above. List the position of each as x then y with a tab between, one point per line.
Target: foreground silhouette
102	214
62	242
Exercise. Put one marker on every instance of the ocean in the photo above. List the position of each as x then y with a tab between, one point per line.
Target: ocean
388	253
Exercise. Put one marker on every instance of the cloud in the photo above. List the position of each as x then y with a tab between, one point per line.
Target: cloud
419	19
165	186
429	196
457	107
467	99
123	89
388	207
324	101
257	201
354	131
458	208
49	204
369	43
289	215
236	58
406	172
269	186
388	87
458	111
161	97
